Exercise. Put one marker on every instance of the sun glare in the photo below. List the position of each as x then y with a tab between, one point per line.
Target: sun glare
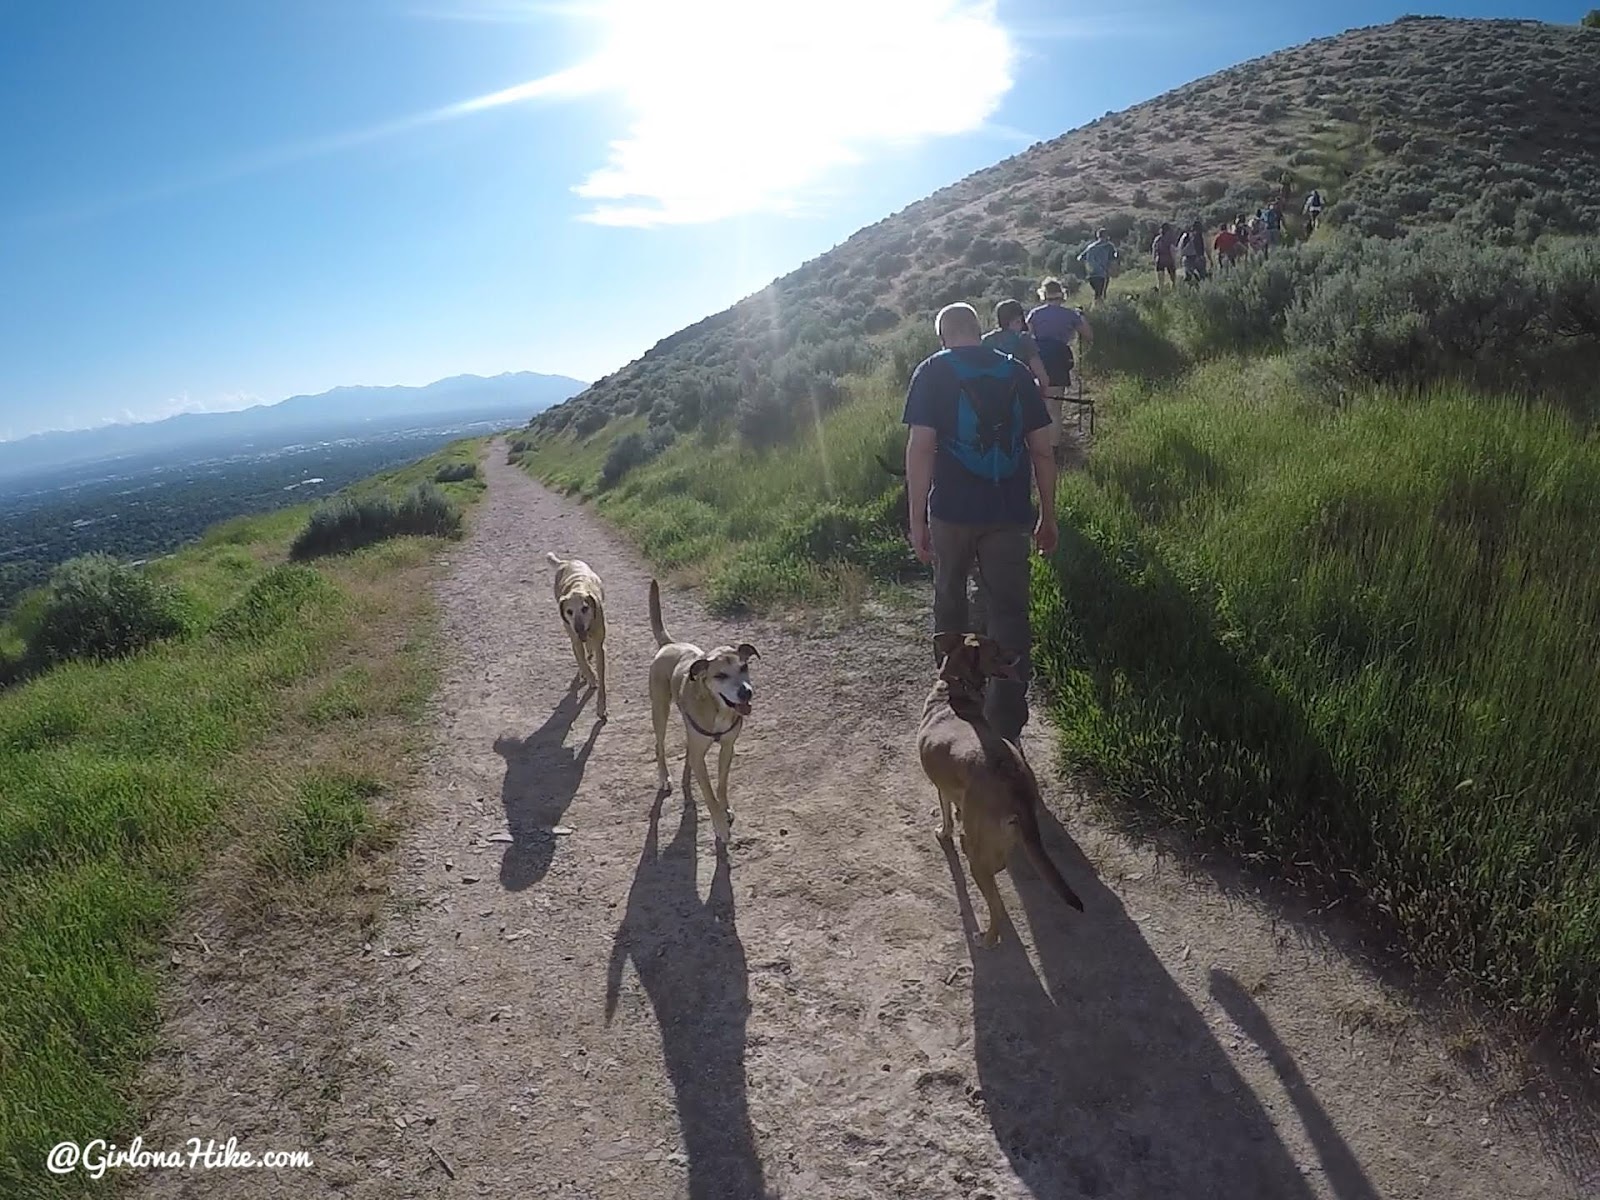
739	107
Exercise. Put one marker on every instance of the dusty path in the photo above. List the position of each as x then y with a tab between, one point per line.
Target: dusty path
606	1013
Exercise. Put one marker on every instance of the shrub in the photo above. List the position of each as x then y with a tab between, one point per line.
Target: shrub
1419	310
346	524
633	450
764	420
457	472
590	420
910	346
96	608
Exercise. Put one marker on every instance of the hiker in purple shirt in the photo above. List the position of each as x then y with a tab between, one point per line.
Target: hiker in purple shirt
1053	326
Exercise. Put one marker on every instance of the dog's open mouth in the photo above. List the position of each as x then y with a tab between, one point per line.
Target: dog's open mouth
743	708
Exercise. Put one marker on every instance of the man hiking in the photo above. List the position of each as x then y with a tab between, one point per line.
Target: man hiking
1097	258
1010	336
978	435
1164	249
1192	248
1313	211
1053	326
1272	222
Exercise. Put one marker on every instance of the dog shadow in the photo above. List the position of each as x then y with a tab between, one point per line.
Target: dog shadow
1101	1078
542	777
689	958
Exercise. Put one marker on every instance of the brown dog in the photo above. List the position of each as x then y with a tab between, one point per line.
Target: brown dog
713	693
983	780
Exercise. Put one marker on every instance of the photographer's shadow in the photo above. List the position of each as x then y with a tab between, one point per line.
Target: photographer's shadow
1103	1079
691	963
542	777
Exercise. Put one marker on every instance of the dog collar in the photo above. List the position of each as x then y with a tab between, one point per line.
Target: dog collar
715	737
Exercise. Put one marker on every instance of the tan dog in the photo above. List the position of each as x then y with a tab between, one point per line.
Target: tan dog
582	602
713	692
983	780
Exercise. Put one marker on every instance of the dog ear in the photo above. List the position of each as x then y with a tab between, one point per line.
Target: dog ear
699	667
946	643
747	652
998	663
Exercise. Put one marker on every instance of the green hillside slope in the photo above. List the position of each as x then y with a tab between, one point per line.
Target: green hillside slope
1487	126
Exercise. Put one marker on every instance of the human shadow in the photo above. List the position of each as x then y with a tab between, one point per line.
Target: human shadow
542	777
1101	1078
1339	1164
692	964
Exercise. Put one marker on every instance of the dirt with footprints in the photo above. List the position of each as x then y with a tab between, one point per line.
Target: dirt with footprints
571	996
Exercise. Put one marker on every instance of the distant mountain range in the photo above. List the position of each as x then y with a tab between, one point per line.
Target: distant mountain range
342	412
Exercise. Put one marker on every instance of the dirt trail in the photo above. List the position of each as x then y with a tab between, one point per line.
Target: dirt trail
608	1013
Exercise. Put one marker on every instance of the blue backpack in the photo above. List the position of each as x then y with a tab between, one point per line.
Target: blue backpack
988	440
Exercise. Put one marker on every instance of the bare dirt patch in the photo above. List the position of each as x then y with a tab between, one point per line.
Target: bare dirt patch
570	996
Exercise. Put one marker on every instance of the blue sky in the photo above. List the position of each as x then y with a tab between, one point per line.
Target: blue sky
212	204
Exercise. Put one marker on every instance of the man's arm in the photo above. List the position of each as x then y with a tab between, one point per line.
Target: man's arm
920	448
1044	477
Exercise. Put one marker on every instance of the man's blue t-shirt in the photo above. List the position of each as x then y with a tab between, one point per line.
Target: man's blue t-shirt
959	496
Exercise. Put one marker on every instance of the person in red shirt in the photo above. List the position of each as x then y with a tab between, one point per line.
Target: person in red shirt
1226	244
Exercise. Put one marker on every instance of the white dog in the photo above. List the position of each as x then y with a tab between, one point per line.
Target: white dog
581	601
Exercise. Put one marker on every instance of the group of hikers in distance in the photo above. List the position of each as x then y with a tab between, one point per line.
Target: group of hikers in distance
1234	241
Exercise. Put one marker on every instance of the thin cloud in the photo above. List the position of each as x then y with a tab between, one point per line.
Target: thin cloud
737	108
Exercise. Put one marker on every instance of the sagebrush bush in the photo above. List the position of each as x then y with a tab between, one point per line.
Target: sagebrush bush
633	450
1433	308
457	472
96	608
347	523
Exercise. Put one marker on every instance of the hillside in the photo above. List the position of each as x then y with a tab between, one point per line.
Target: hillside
344	410
1483	125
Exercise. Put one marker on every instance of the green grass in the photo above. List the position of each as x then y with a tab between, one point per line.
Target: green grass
114	776
328	823
758	529
1357	644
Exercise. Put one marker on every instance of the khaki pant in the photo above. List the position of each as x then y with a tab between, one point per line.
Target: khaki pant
1000	553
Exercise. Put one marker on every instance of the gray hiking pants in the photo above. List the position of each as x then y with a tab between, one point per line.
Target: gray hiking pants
1000	553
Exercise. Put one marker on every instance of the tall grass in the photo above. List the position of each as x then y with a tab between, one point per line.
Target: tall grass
759	527
1359	644
113	773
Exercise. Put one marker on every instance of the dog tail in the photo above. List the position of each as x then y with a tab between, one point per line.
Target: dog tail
897	472
656	625
1033	847
551	555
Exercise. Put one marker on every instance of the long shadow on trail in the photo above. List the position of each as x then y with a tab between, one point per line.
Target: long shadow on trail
1343	1171
542	777
1103	1080
691	962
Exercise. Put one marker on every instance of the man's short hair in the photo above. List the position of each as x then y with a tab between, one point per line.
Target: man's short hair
1051	287
1008	311
1101	234
958	320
